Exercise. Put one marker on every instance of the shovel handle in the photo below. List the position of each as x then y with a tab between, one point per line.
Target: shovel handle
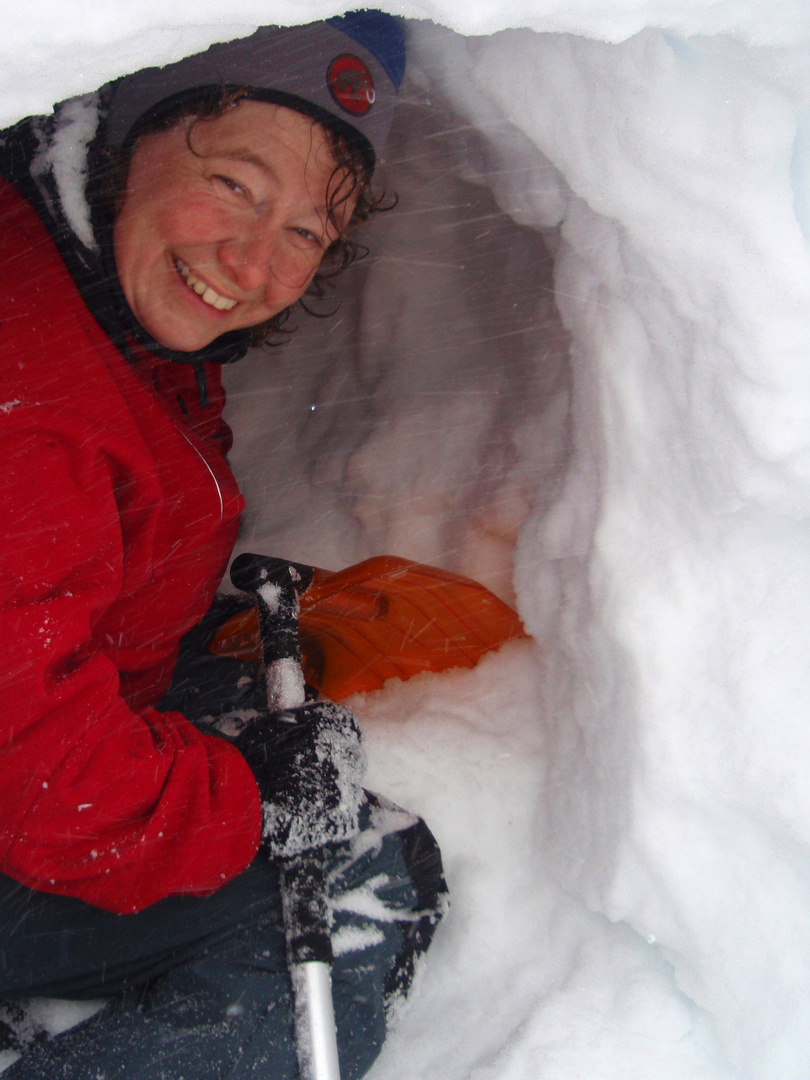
276	586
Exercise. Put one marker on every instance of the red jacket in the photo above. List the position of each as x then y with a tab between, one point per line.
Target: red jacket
119	513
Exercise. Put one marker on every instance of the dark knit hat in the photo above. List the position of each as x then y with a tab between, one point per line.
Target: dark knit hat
344	72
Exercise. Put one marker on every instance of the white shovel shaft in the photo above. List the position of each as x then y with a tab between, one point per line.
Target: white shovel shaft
315	1021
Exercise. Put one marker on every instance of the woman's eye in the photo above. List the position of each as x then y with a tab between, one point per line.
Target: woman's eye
308	236
231	184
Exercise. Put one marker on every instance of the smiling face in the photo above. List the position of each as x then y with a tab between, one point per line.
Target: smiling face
225	227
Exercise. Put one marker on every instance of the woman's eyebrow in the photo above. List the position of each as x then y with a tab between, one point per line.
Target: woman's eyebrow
249	156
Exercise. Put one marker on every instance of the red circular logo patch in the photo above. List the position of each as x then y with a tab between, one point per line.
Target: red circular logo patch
350	84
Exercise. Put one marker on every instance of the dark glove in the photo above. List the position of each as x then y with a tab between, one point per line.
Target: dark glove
309	765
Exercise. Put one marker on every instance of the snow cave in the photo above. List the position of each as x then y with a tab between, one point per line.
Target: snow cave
575	367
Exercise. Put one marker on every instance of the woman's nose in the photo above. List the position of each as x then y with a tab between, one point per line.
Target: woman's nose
249	259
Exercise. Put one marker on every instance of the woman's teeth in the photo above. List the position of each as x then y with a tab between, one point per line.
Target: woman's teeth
204	291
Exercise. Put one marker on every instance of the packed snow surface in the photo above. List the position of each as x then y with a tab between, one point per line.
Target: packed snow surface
575	367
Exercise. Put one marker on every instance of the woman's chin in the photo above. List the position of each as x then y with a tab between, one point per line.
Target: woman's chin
178	337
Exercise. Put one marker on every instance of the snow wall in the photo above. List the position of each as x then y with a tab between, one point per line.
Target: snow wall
576	367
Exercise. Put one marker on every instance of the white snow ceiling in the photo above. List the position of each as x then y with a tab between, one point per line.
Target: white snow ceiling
640	479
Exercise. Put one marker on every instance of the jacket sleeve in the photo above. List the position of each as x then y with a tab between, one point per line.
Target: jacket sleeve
117	808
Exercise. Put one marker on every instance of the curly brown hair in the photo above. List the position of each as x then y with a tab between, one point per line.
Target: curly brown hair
351	178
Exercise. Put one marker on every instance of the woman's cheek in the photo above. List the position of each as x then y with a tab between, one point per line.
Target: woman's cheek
295	270
196	221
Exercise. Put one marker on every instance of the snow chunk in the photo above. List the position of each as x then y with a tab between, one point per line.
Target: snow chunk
75	124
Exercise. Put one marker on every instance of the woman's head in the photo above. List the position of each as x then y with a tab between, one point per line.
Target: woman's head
225	220
234	175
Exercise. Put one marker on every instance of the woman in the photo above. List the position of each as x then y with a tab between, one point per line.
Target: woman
150	233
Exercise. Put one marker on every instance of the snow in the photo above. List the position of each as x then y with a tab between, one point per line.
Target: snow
622	804
285	683
66	157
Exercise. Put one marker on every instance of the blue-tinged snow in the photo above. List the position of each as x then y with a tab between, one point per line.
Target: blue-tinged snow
800	171
576	368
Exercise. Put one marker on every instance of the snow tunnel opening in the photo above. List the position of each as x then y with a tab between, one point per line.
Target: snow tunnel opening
428	415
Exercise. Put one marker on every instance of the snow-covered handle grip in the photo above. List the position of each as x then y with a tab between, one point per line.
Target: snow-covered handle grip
303	890
276	586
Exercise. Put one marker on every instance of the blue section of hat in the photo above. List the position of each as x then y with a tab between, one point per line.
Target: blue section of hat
383	35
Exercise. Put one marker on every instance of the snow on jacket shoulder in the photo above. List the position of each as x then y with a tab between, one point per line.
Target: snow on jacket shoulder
119	513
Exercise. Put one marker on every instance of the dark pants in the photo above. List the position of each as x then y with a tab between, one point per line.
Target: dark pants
199	987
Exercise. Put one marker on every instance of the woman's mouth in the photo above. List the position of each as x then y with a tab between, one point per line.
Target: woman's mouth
203	289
